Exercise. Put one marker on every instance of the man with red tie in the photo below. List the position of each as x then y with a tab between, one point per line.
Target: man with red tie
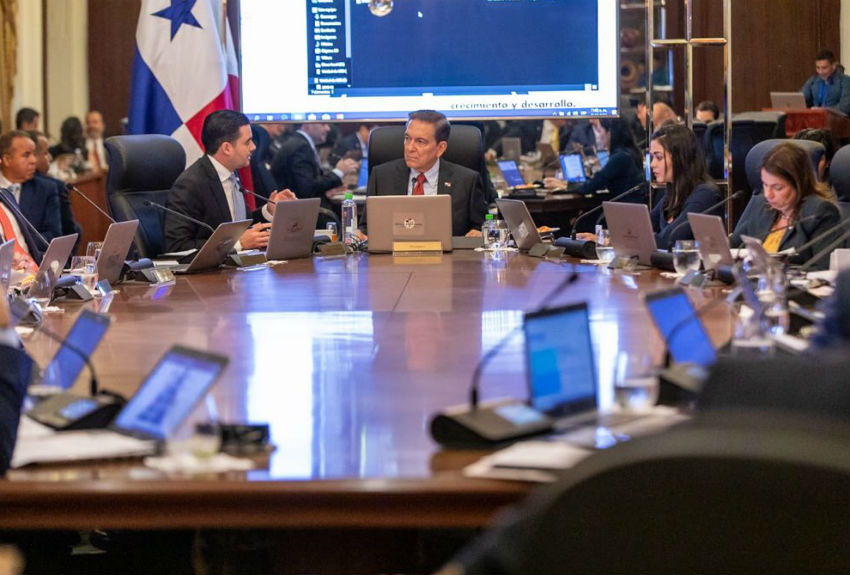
423	172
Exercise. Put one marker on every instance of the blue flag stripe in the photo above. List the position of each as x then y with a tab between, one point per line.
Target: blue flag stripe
151	111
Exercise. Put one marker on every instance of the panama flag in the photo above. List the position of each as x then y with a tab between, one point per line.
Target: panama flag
181	71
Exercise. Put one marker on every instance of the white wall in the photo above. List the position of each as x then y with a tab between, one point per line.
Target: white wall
67	62
29	87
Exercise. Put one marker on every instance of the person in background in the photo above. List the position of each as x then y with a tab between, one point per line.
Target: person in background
72	142
42	166
827	88
355	145
707	111
790	193
27	119
96	152
823	137
14	378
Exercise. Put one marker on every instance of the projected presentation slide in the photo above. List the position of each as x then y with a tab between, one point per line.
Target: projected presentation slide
305	60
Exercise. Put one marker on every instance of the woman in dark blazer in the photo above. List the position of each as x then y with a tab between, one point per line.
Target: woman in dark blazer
678	162
790	193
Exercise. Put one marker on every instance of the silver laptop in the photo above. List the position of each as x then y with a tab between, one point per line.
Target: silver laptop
162	403
214	251
116	244
409	219
710	233
631	230
787	100
292	229
520	223
7	256
511	148
52	264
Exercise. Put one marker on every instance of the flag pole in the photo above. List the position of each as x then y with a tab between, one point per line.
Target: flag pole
224	26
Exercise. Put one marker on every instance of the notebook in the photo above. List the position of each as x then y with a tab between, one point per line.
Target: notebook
409	219
510	172
214	251
787	100
162	403
572	167
710	233
83	338
292	229
631	230
114	251
519	221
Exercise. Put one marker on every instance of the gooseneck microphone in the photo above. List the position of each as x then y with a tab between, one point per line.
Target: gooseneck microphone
823	252
825	234
179	215
599	207
91	202
710	208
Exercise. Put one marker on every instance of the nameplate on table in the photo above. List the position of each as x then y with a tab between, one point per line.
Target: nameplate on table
400	248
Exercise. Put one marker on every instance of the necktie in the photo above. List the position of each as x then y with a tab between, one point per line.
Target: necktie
9	234
419	188
15	190
238	200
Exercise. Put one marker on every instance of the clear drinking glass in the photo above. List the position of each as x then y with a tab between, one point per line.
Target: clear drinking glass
635	381
604	249
93	249
498	232
332	231
86	268
685	256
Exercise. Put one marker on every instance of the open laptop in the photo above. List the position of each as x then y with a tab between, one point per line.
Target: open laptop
7	257
521	224
409	219
631	230
710	233
511	148
116	245
292	229
362	177
510	172
214	251
680	326
162	403
787	100
83	338
52	264
572	168
603	156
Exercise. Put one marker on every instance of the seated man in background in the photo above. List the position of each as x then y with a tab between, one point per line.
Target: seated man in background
94	141
827	88
707	111
42	165
27	119
209	190
355	145
423	172
37	198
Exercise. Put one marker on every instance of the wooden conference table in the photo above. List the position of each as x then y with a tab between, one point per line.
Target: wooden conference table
346	359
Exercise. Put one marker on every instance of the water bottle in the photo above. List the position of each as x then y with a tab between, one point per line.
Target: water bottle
487	229
349	219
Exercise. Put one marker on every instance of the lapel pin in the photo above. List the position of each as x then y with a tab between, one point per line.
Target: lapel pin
448	184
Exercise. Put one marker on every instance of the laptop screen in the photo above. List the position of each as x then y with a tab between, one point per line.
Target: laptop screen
170	392
84	336
573	168
363	178
511	173
680	326
560	363
602	156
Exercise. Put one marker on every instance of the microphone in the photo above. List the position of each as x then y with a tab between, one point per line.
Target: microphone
494	423
835	243
179	215
20	215
820	236
91	202
324	211
711	208
599	207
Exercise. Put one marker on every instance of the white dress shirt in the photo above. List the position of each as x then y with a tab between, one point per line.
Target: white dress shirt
96	145
432	177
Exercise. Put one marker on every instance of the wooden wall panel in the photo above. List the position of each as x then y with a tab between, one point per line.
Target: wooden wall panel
111	44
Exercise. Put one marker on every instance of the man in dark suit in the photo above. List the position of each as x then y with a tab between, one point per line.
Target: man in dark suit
423	172
297	166
209	190
37	199
355	145
14	377
42	165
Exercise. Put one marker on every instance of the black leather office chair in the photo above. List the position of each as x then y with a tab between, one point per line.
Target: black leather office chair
755	157
699	129
264	183
768	124
839	173
465	148
731	493
143	168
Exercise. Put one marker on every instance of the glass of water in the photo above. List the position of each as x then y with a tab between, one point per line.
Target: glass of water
685	256
604	249
498	232
93	249
635	381
86	268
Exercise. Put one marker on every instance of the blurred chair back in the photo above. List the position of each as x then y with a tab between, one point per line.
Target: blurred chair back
839	173
264	183
143	168
730	493
767	125
465	147
755	157
699	129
